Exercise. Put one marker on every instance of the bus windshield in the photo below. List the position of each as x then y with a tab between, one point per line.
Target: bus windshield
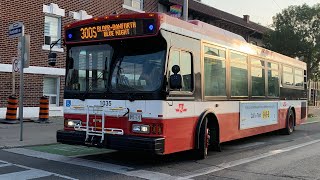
119	66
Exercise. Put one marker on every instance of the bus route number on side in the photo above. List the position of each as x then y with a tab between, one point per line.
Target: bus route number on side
105	103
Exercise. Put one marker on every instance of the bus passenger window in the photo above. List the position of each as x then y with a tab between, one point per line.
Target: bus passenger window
184	60
287	76
273	80
214	71
239	74
258	77
298	77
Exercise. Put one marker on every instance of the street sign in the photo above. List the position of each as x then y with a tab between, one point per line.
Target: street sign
15	65
16	30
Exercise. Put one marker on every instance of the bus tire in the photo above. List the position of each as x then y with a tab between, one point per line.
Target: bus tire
289	123
204	139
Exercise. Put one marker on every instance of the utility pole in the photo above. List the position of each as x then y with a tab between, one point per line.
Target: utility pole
185	10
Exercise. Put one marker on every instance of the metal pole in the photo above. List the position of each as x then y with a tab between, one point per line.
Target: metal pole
21	87
13	83
185	10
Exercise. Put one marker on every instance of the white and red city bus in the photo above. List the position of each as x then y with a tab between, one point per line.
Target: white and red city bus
151	82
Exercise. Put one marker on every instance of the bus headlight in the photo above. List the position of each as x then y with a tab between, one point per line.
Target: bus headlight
141	128
72	123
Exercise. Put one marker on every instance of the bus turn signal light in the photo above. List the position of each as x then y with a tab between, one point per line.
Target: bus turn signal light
157	129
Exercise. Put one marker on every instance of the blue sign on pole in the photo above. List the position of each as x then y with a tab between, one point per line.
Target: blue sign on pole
16	30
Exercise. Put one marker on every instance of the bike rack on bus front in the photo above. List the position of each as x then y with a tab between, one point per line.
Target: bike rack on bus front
94	130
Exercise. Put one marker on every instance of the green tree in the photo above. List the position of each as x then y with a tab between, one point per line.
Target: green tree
297	34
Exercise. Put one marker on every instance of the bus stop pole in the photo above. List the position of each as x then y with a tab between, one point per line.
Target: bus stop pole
185	10
21	87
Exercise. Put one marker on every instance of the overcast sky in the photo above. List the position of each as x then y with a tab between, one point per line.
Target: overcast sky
260	11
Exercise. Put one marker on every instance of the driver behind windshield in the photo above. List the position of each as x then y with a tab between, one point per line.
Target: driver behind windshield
150	76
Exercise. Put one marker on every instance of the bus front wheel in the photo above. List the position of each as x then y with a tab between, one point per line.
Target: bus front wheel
204	140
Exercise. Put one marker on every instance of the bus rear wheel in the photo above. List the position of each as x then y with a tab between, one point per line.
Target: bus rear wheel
289	123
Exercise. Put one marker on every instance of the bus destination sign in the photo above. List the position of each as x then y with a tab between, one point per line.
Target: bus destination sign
111	30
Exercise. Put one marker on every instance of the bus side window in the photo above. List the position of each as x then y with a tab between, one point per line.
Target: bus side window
258	77
287	76
239	74
184	60
214	71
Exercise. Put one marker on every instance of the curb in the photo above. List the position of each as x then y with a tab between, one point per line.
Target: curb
310	122
17	121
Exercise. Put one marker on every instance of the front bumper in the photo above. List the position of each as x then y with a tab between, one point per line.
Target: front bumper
117	142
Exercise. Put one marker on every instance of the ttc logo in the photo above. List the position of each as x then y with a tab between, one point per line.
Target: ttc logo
181	108
284	104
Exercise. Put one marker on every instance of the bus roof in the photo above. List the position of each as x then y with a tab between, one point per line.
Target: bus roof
199	30
223	38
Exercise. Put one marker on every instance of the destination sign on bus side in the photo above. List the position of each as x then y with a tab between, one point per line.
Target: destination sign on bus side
111	29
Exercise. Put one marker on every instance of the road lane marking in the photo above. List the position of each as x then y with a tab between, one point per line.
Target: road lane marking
223	166
3	162
124	170
4	165
28	173
243	145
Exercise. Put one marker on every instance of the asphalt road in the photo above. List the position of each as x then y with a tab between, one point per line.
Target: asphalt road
267	156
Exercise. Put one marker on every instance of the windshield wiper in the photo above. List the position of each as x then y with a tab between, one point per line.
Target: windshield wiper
83	97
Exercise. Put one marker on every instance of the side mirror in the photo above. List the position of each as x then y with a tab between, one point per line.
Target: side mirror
175	79
52	58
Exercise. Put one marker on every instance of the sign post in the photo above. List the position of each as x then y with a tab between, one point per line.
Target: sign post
17	30
21	87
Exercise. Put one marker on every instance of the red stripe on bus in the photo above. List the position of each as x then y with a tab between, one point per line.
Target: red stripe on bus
179	133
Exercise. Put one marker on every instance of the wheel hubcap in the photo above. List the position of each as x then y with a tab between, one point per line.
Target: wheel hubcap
291	123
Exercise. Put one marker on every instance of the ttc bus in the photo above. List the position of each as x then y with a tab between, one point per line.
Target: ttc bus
154	83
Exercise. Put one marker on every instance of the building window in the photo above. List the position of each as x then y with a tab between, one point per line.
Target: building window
51	86
52	26
52	30
133	5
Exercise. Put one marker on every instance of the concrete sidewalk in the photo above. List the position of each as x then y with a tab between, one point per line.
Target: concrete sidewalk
33	133
313	111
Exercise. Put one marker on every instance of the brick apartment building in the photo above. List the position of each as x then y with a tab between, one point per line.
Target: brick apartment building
43	19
